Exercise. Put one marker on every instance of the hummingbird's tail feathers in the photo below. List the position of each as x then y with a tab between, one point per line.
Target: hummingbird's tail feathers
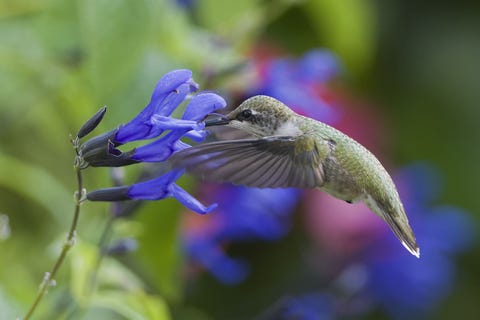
415	250
398	222
404	233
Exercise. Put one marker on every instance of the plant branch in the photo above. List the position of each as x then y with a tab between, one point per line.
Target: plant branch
79	196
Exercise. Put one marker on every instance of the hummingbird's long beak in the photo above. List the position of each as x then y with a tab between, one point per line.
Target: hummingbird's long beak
222	120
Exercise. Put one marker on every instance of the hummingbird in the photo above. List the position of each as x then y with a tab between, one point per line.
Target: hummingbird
290	150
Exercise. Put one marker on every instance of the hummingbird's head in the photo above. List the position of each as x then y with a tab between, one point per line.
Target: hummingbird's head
259	115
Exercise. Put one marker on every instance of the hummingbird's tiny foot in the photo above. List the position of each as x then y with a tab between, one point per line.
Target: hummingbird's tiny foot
349	201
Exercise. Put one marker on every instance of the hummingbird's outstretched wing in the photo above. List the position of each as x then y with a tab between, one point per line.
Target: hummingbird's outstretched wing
270	162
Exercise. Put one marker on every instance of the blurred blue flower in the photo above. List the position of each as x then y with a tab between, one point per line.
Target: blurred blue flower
314	306
298	83
310	306
209	254
244	214
407	287
186	4
121	247
252	213
154	121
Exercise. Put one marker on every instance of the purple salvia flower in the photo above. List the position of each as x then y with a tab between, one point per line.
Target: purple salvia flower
155	121
170	91
161	149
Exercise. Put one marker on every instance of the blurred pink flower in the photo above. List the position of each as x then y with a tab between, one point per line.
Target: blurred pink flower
340	228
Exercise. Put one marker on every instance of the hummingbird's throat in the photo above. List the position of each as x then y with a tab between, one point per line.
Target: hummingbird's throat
288	128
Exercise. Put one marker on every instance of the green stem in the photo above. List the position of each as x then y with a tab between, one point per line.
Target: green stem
101	243
69	242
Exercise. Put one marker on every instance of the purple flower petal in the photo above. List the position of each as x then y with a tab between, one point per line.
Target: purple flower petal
161	149
164	187
203	104
188	201
168	123
154	189
171	81
170	91
196	136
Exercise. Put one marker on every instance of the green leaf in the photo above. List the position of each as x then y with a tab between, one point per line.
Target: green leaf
188	312
83	259
111	273
347	27
133	305
159	246
36	184
8	307
114	34
9	9
231	19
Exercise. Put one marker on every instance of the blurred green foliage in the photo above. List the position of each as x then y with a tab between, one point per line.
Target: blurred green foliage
61	60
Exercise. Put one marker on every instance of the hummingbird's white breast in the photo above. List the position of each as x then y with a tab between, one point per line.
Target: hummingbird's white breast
288	128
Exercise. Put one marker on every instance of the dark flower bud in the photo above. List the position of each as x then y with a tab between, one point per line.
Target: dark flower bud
101	151
98	145
110	194
122	246
92	123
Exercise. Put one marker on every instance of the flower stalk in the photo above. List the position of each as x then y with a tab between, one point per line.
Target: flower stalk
153	123
79	197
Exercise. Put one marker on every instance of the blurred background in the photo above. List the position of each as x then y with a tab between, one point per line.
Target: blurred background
399	76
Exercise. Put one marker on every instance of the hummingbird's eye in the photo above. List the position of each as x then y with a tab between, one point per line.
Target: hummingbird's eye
245	114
